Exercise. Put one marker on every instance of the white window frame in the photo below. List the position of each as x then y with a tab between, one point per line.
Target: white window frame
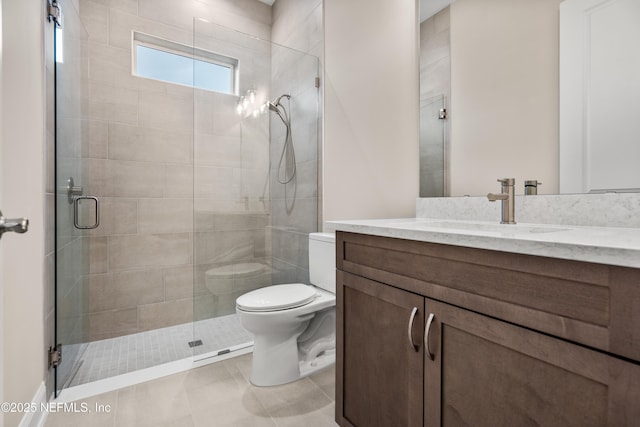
163	45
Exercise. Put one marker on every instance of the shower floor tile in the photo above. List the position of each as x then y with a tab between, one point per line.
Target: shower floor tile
115	356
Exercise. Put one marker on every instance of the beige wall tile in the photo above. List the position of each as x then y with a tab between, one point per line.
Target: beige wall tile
218	182
121	24
165	111
69	256
116	178
297	24
178	181
98	139
161	315
128	6
95	17
69	317
124	290
165	216
117	216
216	150
242	15
116	322
111	66
224	246
113	103
225	120
204	214
98	255
127	142
204	308
156	250
178	282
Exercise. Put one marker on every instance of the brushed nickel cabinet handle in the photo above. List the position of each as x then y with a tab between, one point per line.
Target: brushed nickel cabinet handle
411	320
426	334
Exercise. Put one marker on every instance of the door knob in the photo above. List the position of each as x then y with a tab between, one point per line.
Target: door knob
17	225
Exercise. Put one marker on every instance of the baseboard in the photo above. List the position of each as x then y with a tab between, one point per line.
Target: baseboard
36	418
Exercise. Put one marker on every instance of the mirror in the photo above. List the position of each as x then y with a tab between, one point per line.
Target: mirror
507	76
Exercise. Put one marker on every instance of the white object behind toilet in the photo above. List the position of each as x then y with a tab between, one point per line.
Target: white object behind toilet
322	261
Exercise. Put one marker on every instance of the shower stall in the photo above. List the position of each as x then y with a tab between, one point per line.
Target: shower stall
186	174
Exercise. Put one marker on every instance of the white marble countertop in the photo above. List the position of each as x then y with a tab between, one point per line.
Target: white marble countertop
604	245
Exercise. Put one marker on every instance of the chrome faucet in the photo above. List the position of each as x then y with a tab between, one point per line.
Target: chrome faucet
508	200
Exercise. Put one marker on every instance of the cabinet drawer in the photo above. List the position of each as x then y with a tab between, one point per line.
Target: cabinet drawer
588	303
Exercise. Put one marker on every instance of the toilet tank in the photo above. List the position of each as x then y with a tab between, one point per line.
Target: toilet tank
322	260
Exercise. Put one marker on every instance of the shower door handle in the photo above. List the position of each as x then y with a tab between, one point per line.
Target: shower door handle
76	209
17	225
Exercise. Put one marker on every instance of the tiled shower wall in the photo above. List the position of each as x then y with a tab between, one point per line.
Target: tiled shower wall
141	163
296	24
435	82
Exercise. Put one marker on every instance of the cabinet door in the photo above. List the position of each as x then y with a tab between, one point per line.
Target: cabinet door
379	369
487	372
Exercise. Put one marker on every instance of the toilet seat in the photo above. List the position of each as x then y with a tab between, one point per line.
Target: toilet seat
277	298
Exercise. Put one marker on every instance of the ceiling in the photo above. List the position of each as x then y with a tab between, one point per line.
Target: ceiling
428	8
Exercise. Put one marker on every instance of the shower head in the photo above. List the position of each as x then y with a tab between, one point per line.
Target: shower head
272	106
279	109
276	102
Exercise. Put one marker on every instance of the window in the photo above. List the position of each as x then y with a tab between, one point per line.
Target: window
160	59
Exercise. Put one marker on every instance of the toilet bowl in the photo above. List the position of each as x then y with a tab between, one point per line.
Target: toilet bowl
294	324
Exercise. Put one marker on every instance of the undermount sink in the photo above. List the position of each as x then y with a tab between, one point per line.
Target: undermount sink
484	227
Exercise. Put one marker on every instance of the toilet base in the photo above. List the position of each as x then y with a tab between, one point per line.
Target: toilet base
305	369
318	364
275	359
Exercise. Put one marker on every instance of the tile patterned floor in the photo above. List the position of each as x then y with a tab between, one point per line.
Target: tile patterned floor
215	395
116	356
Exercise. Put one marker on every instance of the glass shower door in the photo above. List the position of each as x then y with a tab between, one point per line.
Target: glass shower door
252	210
432	147
71	138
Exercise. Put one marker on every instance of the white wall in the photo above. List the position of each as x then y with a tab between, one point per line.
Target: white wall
504	94
370	164
22	195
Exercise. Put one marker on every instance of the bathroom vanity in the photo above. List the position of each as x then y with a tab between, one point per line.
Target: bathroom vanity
456	323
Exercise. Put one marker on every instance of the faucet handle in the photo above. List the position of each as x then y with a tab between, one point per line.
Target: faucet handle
493	197
507	181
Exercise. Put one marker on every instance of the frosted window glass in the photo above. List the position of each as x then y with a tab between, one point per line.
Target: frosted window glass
170	67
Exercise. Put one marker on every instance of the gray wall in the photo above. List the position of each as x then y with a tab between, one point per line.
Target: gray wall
294	207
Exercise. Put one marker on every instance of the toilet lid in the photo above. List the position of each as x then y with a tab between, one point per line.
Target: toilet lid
277	297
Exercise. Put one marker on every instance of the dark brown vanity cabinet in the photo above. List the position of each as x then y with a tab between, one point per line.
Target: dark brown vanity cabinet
487	373
484	360
382	367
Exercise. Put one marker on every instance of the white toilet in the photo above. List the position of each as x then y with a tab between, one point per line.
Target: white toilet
294	325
